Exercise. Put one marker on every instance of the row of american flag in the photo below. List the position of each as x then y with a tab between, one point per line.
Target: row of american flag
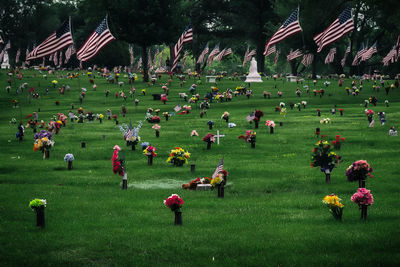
62	38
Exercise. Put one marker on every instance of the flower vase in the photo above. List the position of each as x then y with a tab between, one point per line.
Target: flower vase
221	191
128	143
101	121
46	154
150	160
133	146
208	145
319	113
83	144
280	123
125	181
363	212
341	113
40	220
178	217
192	167
271	130
361	183
327	176
337	146
210	126
157	133
69	165
166	118
256	124
253	144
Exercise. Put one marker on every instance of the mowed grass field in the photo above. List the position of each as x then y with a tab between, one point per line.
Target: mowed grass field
272	212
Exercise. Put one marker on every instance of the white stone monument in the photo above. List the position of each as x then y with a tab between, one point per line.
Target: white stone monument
5	64
253	76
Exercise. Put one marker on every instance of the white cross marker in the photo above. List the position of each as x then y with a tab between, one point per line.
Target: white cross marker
218	136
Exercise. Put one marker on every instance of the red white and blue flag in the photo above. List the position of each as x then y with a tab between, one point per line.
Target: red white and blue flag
186	37
96	41
331	56
220	168
203	55
55	42
289	27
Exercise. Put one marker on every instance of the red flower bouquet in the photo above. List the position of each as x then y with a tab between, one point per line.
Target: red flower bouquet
174	202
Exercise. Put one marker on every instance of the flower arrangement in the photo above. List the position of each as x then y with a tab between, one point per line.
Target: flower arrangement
194	133
144	91
69	157
43	142
225	116
192	185
333	202
164	98
337	142
210	124
249	137
174	202
37	203
279	93
304	103
363	197
217	181
150	151
118	164
178	156
323	156
209	138
270	124
156	127
359	170
325	121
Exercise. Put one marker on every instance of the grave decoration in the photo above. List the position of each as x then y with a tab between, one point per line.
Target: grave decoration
267	94
337	143
218	182
271	125
175	203
115	117
387	103
225	116
156	128
166	115
38	205
118	163
210	124
341	111
164	98
209	138
130	134
333	202
192	185
257	116
100	117
186	110
150	153
323	157
318	112
249	137
178	156
304	103
325	121
194	133
370	116
382	117
43	142
358	171
363	198
69	158
392	131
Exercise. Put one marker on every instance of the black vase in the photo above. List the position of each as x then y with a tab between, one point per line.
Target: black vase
209	145
271	130
221	189
69	165
178	217
363	212
150	160
40	220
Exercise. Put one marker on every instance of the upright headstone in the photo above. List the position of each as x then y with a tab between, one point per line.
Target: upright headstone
253	76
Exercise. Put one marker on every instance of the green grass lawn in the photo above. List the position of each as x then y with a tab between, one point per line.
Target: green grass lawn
272	212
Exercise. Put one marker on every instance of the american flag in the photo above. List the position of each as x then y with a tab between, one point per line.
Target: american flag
331	56
17	56
60	59
343	61
51	57
307	59
131	53
220	167
341	26
184	59
391	57
223	53
358	55
271	50
70	51
177	108
248	55
294	54
96	41
160	59
55	42
55	59
212	54
277	56
368	54
139	63
155	58
203	54
8	46
26	55
250	117
290	27
186	37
